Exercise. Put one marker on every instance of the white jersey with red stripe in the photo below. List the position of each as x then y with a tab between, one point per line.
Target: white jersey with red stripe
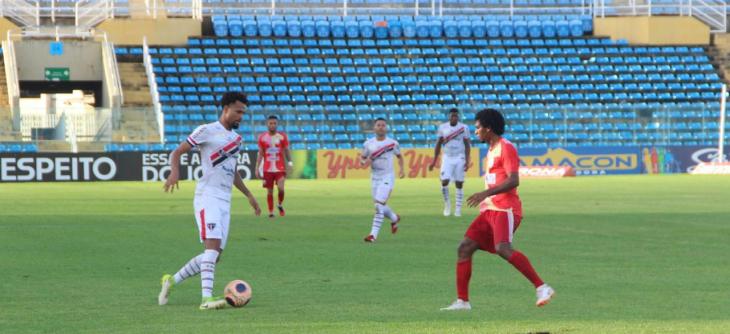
381	152
453	139
219	155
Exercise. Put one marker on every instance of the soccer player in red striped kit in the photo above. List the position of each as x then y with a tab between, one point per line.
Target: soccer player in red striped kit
500	213
275	155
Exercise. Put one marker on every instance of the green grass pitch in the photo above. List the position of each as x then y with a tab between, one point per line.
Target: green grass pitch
626	254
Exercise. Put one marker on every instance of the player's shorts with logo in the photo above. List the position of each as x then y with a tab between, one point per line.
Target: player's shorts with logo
382	187
213	217
270	178
492	227
452	168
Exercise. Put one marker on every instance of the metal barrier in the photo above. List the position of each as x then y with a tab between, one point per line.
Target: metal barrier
11	77
711	12
27	13
147	60
88	14
111	73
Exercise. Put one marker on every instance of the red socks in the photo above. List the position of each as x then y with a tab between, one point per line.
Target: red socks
521	263
270	201
463	275
281	197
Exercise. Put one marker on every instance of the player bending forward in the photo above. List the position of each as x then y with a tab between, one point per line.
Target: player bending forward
379	151
273	149
219	146
500	212
454	137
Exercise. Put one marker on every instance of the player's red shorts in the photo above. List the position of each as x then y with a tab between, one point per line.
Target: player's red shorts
493	227
270	178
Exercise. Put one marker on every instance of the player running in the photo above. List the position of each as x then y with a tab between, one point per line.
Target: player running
219	146
454	136
500	213
379	152
274	146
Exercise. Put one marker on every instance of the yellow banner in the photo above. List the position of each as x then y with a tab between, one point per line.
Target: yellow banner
345	164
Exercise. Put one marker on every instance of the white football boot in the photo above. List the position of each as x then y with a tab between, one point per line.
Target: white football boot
544	294
458	305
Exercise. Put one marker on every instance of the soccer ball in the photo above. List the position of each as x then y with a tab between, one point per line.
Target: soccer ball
237	293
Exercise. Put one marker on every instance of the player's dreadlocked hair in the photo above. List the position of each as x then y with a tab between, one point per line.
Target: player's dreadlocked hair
232	97
492	119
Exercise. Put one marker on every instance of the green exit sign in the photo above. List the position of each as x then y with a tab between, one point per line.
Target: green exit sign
57	73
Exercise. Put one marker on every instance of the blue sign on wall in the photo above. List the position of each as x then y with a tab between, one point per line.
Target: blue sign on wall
56	48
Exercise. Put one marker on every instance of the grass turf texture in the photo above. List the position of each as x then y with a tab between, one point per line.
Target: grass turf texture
626	254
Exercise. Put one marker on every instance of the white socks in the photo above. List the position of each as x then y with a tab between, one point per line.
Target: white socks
445	192
377	219
459	199
207	271
190	269
388	212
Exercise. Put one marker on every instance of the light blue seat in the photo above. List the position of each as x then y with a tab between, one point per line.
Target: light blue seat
506	28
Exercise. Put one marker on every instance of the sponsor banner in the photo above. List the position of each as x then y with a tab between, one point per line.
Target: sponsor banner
156	165
677	159
717	168
546	172
584	160
345	164
118	166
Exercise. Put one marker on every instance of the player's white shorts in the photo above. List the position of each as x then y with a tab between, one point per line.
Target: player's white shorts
213	216
382	187
452	168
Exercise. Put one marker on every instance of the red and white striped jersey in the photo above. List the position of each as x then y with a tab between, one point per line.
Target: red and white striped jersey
453	137
219	155
381	152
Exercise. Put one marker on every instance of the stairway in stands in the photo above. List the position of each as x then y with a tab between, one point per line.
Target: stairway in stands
6	118
137	122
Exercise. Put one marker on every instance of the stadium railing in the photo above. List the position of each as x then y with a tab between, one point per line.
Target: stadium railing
27	13
11	79
87	13
711	12
154	92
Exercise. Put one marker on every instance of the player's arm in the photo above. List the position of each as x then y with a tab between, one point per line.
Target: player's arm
238	182
467	151
171	182
402	173
436	152
287	154
364	157
259	159
512	181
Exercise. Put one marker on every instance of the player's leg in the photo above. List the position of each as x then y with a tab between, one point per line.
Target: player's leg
269	185
382	196
459	183
190	269
477	236
445	177
504	225
280	187
213	220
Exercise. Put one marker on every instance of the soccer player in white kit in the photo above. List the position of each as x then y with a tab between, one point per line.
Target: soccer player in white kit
219	146
454	137
379	152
